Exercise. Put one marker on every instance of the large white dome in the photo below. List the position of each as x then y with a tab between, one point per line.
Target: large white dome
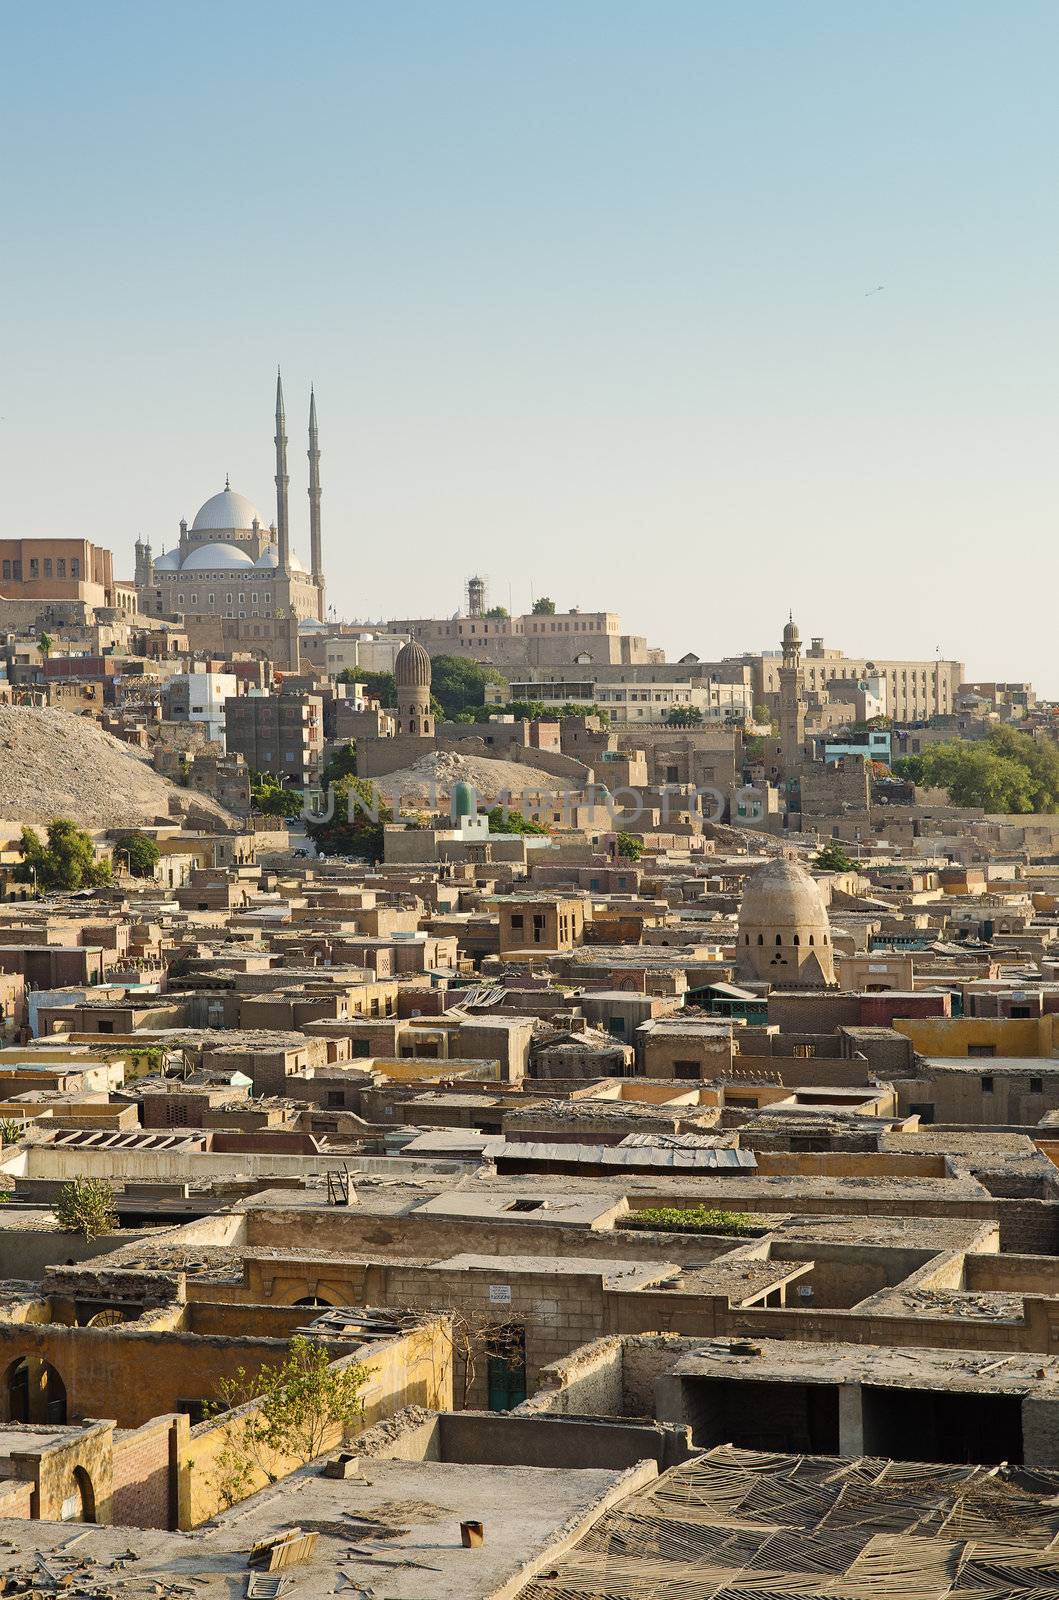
225	512
168	561
211	557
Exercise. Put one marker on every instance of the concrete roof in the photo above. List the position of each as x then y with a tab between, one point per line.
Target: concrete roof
396	1511
894	1367
616	1274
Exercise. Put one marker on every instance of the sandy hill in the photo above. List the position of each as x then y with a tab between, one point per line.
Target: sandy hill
56	764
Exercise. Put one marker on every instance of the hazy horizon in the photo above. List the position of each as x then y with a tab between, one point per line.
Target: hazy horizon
689	312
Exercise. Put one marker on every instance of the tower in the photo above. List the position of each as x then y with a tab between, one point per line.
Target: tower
475	596
316	557
144	563
411	673
282	525
792	701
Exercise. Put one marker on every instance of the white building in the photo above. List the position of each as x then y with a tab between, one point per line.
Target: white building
200	697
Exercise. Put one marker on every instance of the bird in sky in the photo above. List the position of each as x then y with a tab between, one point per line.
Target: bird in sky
879	287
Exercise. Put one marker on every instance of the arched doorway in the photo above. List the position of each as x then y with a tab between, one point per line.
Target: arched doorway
86	1494
35	1392
316	1300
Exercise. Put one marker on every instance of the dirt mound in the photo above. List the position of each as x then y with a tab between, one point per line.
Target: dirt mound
56	764
431	779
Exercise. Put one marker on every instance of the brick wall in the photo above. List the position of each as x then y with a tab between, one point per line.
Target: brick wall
141	1475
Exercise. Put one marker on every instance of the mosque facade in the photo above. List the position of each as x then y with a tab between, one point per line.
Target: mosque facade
230	564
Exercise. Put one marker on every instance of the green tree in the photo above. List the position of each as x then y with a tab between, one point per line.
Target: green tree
1008	772
268	796
832	858
532	710
381	686
67	861
86	1206
544	607
341	763
501	821
355	826
286	1412
498	613
459	685
629	846
684	717
571	710
45	645
142	853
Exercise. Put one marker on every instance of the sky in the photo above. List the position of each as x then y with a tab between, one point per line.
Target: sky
693	312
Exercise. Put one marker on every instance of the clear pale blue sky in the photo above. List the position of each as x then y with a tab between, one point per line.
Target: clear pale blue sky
583	289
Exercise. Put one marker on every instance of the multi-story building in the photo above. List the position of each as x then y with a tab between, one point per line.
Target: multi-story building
642	699
643	693
564	638
278	733
335	650
914	689
56	569
200	697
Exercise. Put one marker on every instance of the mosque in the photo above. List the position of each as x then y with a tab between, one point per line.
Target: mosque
230	564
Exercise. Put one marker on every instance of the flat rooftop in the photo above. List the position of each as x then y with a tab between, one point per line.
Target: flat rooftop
894	1367
394	1531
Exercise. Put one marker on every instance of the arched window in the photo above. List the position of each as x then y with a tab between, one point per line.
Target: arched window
810	938
797	939
779	938
761	938
746	938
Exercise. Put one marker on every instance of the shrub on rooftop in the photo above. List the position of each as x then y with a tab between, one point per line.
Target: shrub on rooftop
690	1219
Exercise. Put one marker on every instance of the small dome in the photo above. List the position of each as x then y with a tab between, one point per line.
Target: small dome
781	895
213	557
227	512
169	562
269	560
463	801
411	670
791	634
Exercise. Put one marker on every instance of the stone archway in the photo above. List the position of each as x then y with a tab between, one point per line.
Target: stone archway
86	1494
35	1392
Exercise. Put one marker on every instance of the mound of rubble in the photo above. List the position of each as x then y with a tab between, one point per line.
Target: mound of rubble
56	764
432	778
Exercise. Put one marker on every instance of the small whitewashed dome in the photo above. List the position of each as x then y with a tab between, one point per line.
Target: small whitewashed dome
214	557
225	513
269	560
168	562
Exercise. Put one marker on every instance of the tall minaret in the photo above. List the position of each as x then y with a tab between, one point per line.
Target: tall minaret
792	701
317	560
282	525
